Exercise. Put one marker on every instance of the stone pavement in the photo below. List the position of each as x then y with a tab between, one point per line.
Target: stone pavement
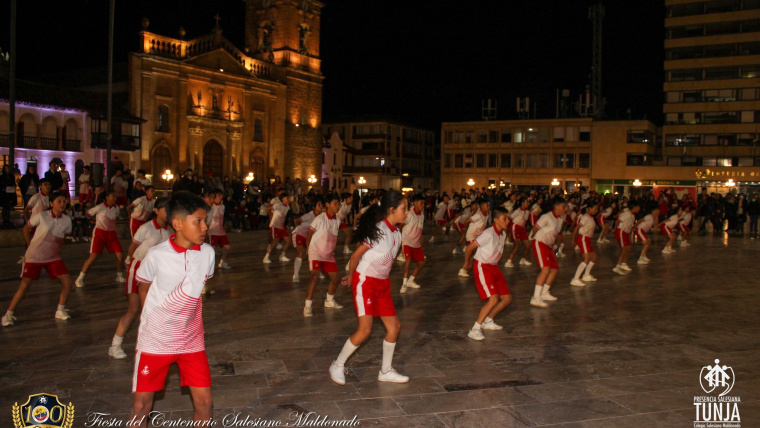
623	352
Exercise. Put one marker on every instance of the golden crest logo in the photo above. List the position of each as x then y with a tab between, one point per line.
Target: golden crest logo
43	411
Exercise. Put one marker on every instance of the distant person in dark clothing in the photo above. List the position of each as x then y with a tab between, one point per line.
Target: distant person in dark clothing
184	183
54	176
7	194
29	184
753	209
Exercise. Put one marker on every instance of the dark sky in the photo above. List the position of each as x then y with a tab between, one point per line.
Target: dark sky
421	62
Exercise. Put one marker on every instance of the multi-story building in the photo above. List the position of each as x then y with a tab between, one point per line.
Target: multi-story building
337	164
390	155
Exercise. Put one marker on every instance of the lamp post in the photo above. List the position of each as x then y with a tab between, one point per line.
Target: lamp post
362	182
312	180
471	182
167	176
730	183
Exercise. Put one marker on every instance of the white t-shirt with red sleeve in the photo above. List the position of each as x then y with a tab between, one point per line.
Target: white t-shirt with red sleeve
519	217
48	237
324	239
216	226
477	225
105	216
147	236
588	225
279	212
411	234
490	246
671	222
171	321
143	208
647	224
303	227
344	211
626	220
549	228
378	260
39	202
440	211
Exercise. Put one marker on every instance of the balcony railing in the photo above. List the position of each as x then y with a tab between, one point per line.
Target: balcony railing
5	140
72	145
47	143
27	142
118	142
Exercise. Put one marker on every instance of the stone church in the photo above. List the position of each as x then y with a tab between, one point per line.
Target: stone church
215	108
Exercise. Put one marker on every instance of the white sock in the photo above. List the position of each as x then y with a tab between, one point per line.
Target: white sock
117	340
545	289
9	312
308	303
537	291
297	266
81	275
476	326
330	297
588	268
61	307
348	349
411	278
405	281
561	246
580	269
388	348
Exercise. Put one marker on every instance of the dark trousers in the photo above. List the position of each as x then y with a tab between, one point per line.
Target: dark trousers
753	223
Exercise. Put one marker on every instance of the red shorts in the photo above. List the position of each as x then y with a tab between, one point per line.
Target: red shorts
600	220
298	240
121	200
131	285
533	219
665	230
441	222
460	227
134	224
643	238
151	369
450	214
489	280
343	225
519	233
53	269
584	243
105	238
372	296
277	233
416	254
324	267
623	239
684	228
544	255
220	240
84	197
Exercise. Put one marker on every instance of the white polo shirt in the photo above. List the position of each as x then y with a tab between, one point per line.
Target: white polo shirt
440	211
452	204
587	224
48	237
171	321
549	227
477	225
378	260
324	239
685	219
303	227
147	236
464	215
490	246
535	209
626	220
607	212
216	226
143	208
39	202
344	211
509	206
647	224
672	221
279	212
519	217
105	216
411	234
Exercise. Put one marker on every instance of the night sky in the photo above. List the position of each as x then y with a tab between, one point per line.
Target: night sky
420	62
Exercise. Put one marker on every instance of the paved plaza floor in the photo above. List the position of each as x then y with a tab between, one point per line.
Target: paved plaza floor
626	351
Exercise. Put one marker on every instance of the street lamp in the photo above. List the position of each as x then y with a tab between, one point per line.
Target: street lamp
362	182
730	183
167	176
249	178
471	182
312	180
555	182
636	183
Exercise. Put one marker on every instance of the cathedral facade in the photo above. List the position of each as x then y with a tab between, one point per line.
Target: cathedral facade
221	110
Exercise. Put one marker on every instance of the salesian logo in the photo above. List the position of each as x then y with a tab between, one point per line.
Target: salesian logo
43	411
717	406
719	379
145	370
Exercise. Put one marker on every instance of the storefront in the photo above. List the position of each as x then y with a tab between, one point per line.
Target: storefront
636	186
729	180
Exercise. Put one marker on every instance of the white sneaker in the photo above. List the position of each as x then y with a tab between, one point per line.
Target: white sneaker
116	352
266	260
525	262
392	376
79	282
279	246
475	334
284	258
509	264
338	373
577	283
307	312
347	250
412	284
560	255
606	241
537	302
223	265
599	241
685	244
491	325
463	273
120	278
625	267
296	278
62	314
127	261
348	264
8	319
403	289
432	239
547	297
333	304
618	270
588	278
642	261
679	238
401	257
20	260
454	251
646	258
86	239
666	250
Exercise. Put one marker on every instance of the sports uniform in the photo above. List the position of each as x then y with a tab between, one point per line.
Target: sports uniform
684	221
371	285
104	233
342	214
440	214
517	226
477	225
302	230
549	227
323	242
625	224
463	216
147	236
644	227
666	227
277	224
585	233
141	212
45	248
216	233
488	277
411	236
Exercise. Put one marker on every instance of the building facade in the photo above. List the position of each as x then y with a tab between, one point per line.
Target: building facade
389	155
337	165
221	110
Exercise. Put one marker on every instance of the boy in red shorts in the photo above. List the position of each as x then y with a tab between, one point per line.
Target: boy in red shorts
441	220
519	218
141	209
488	248
104	236
277	229
44	251
321	242
625	223
545	234
411	242
343	213
170	280
301	232
216	229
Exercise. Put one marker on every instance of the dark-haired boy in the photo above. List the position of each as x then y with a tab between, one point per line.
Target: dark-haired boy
489	280
44	251
104	236
441	220
321	242
39	202
171	278
546	230
141	209
301	232
411	241
624	226
477	224
277	231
